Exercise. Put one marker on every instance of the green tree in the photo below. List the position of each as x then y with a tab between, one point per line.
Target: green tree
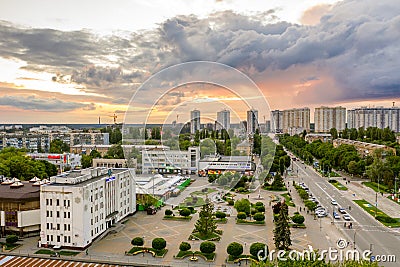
184	246
220	215
158	243
58	146
86	161
207	247
168	212
137	241
298	219
282	229
234	249
242	205
255	248
115	152
184	212
334	133
241	215
206	225
259	216
11	239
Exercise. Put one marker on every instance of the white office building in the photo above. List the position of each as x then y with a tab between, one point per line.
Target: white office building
252	121
78	206
194	121
170	161
223	120
379	117
326	118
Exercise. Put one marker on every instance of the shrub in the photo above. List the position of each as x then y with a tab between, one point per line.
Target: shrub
137	241
191	209
185	246
11	239
299	219
185	212
241	215
207	247
259	217
231	202
220	215
234	249
168	212
158	243
259	203
260	208
253	211
386	219
256	247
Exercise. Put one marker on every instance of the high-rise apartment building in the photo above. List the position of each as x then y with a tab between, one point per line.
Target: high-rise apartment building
223	120
194	121
326	118
379	117
291	121
252	121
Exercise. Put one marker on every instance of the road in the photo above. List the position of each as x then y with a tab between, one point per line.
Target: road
367	233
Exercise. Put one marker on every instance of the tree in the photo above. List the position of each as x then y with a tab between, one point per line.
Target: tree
206	225
11	239
86	161
137	241
277	183
255	248
58	146
115	152
158	243
298	219
310	205
259	217
242	205
241	215
334	133
184	246
168	212
282	229
220	214
184	212
207	247
234	249
95	154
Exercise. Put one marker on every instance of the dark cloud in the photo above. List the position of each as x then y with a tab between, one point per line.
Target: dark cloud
357	42
40	104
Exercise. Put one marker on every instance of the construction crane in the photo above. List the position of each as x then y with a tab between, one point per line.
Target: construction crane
115	118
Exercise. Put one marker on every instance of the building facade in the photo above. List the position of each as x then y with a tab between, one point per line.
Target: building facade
194	121
78	206
291	121
277	121
379	117
62	161
252	121
326	118
223	120
170	161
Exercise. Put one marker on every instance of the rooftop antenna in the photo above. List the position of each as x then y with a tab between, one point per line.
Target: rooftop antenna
99	120
393	103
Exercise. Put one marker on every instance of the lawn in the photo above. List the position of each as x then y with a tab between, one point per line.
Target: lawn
368	207
288	200
212	237
184	254
390	197
339	186
199	193
159	253
62	252
241	221
374	186
200	202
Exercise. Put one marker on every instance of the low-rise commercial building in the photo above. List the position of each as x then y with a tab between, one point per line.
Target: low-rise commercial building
62	161
219	164
78	206
315	136
363	148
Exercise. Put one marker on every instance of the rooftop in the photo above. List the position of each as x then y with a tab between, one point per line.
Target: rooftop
25	192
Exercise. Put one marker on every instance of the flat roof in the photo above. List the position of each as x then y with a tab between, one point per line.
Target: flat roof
27	191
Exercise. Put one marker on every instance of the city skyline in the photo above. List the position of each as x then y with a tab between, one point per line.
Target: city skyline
63	67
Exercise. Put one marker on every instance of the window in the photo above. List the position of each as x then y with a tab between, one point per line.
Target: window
51	237
51	202
65	239
57	202
65	203
47	203
69	203
58	238
47	226
58	214
47	213
48	238
69	239
58	226
69	227
69	214
65	214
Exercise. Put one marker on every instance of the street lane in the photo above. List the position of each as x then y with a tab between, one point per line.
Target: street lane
366	230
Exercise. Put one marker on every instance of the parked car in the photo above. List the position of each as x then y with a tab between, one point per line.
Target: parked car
346	217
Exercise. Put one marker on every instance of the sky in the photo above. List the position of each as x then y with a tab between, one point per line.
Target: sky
75	61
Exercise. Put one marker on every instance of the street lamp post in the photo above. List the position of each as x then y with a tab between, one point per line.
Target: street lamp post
395	188
376	197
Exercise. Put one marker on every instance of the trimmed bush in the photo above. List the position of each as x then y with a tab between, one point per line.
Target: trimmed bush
241	215
386	219
299	219
259	203
231	202
184	246
185	212
234	249
207	247
137	241
158	243
259	217
253	211
260	208
168	212
220	214
11	239
256	247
